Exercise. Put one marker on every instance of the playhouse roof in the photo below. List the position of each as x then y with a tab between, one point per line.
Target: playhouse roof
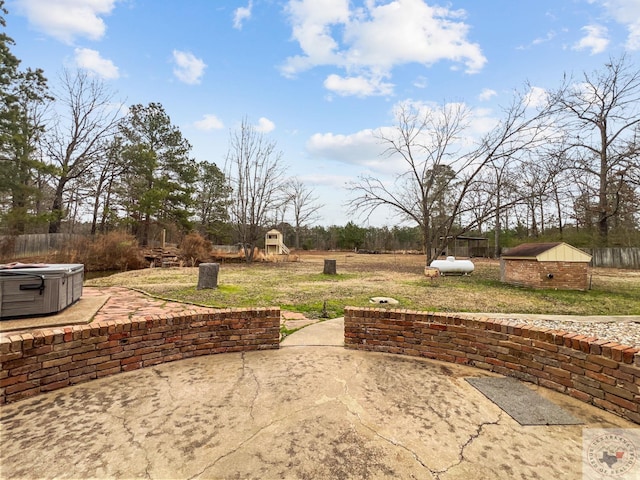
547	252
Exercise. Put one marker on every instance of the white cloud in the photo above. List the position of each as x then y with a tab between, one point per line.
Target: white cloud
536	97
209	122
189	68
67	19
633	42
326	180
421	82
357	148
365	149
547	38
538	41
486	94
627	13
481	122
362	149
265	125
241	14
359	86
91	61
596	39
330	33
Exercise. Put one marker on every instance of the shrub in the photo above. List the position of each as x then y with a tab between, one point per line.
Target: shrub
112	251
7	246
195	249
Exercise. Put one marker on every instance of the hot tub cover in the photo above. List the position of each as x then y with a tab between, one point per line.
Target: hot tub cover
38	289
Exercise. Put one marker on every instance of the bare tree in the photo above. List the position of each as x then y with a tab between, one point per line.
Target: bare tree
440	165
256	177
502	191
107	170
424	140
86	120
304	205
601	114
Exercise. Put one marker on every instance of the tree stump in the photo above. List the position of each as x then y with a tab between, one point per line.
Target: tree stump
329	267
208	275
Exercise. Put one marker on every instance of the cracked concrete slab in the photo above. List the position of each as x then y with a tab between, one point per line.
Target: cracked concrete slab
302	412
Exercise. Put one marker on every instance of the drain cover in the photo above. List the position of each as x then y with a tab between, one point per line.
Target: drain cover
384	300
523	404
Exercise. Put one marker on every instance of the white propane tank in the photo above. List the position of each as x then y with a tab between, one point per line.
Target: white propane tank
451	266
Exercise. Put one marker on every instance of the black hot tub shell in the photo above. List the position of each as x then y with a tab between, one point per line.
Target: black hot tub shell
39	289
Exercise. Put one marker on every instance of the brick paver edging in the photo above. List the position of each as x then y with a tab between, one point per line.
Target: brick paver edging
595	371
45	360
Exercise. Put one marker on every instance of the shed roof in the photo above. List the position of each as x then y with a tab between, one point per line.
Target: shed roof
547	252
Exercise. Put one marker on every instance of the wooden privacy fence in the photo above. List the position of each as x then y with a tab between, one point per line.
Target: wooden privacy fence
37	243
43	243
622	257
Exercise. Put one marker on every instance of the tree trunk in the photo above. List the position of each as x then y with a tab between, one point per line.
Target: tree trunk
56	209
496	233
248	252
329	267
208	275
144	239
603	215
559	208
17	222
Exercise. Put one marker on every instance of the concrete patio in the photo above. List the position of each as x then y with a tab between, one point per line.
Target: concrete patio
311	409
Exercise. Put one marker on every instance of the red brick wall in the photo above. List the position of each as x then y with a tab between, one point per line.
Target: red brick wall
595	371
531	273
44	360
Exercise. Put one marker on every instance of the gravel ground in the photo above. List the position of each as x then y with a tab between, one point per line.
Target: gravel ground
624	333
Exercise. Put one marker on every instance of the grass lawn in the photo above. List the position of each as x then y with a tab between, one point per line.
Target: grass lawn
300	286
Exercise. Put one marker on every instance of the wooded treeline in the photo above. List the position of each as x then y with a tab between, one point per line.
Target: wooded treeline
558	165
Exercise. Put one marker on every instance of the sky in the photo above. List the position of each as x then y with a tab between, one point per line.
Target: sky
320	77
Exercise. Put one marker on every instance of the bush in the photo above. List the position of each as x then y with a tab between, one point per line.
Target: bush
195	249
112	251
7	246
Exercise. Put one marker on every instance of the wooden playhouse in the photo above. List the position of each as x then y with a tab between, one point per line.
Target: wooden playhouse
274	243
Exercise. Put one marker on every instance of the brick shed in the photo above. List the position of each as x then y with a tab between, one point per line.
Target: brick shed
546	265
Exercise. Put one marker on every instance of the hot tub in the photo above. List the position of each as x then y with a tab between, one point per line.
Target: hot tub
30	290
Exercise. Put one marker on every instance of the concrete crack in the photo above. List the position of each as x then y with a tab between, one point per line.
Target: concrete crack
133	441
350	408
395	444
245	441
246	368
436	473
167	379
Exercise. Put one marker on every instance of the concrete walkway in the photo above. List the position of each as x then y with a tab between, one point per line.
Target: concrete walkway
328	333
310	410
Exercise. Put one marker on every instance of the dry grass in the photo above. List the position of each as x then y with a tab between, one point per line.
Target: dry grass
301	286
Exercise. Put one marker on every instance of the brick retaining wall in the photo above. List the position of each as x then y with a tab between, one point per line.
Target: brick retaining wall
44	360
597	372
